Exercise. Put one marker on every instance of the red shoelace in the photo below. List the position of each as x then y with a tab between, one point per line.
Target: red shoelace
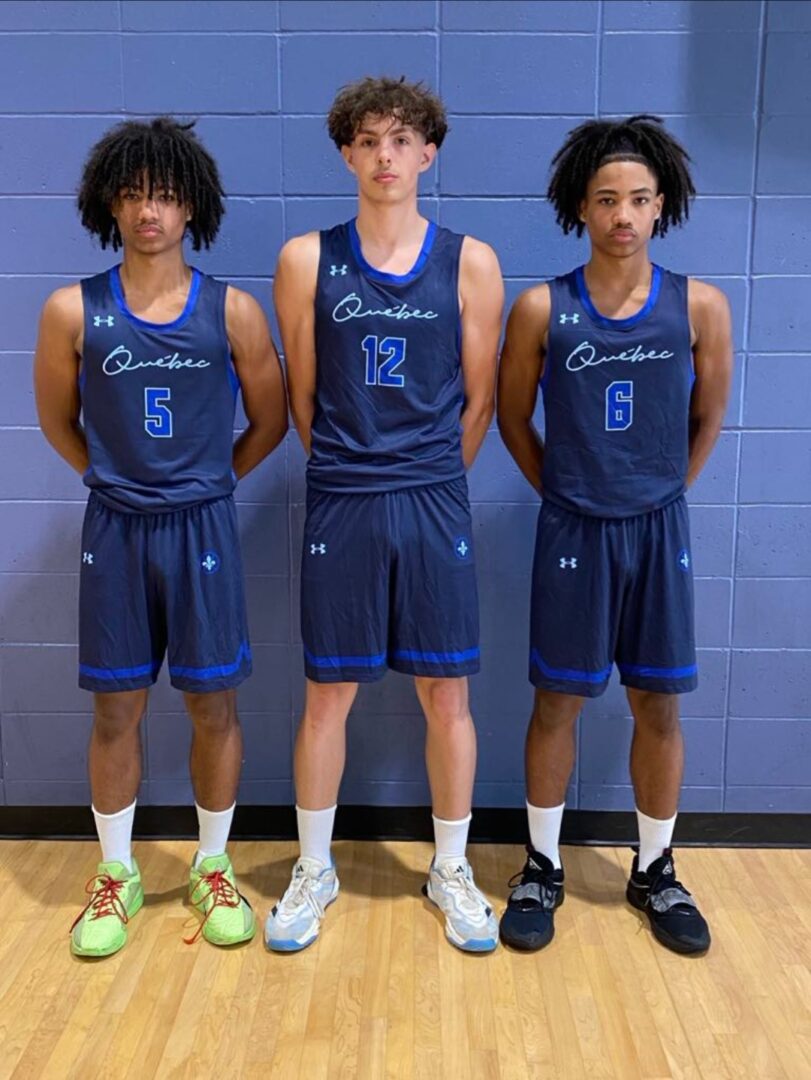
220	891
104	899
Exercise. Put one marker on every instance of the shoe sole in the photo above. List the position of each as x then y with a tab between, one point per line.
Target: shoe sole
664	938
487	945
291	945
247	936
77	950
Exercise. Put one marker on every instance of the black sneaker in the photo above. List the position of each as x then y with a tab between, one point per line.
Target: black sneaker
529	919
674	917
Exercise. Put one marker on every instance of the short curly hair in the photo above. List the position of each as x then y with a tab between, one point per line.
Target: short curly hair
413	104
595	143
169	155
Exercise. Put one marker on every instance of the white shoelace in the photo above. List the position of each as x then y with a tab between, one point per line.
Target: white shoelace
300	894
466	896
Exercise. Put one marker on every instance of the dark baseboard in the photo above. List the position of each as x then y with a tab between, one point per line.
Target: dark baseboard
492	826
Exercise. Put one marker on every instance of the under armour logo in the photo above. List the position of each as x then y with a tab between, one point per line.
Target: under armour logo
108	320
570	564
210	562
333	270
318	549
684	559
461	547
570	318
87	557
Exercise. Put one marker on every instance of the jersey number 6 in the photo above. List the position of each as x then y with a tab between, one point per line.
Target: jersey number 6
158	418
619	406
382	358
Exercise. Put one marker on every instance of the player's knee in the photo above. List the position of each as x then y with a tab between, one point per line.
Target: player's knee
328	705
657	713
553	710
212	713
444	701
116	716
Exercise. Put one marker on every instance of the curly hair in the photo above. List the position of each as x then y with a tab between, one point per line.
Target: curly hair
169	155
595	143
413	104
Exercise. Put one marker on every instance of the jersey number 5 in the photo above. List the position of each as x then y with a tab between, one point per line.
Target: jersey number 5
382	358
619	406
158	417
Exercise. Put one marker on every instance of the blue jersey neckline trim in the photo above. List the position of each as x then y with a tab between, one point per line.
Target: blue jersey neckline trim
619	324
191	301
380	275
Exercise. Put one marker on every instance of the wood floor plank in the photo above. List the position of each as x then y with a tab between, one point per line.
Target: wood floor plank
382	995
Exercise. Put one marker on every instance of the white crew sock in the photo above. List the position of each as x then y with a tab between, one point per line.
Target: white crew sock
115	835
544	830
450	838
215	825
655	834
315	833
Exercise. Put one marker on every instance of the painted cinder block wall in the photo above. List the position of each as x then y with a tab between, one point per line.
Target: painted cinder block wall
732	79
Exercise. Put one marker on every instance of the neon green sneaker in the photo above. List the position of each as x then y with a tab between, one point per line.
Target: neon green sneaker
227	915
115	896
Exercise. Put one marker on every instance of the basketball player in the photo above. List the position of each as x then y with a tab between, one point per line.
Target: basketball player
390	327
137	372
634	363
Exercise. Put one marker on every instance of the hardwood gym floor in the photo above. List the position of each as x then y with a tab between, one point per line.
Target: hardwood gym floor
383	995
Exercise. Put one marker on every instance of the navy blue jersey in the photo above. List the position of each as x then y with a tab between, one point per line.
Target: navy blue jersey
617	400
157	399
389	387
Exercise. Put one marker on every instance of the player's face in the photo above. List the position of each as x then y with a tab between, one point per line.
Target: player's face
387	157
150	224
621	207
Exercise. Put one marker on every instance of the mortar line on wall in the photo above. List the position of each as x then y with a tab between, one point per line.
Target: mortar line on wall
598	61
122	110
437	77
750	244
285	448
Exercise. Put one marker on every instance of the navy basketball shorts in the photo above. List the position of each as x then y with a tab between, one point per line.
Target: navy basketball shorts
156	584
388	580
613	590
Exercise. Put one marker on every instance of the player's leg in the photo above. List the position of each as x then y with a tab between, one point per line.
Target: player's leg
344	608
450	751
657	761
120	648
434	635
320	752
571	634
198	553
450	755
657	662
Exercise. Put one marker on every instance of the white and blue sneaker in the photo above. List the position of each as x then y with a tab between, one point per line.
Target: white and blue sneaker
294	922
470	924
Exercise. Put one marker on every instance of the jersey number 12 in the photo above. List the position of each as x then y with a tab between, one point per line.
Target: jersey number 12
382	358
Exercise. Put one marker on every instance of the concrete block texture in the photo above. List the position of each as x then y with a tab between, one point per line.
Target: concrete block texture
516	76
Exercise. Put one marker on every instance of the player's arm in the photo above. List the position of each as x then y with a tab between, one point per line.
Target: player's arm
294	296
56	375
481	292
712	361
522	360
261	381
